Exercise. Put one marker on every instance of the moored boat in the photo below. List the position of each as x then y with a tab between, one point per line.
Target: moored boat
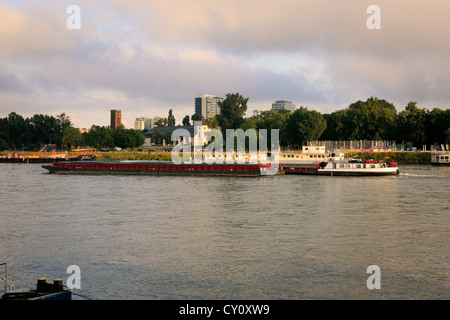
352	167
43	291
440	158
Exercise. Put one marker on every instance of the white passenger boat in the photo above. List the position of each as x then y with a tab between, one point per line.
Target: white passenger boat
336	166
440	158
357	167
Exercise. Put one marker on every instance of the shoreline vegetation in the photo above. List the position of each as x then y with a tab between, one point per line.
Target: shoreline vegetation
371	120
400	157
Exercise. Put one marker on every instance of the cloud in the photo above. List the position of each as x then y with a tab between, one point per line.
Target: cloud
148	56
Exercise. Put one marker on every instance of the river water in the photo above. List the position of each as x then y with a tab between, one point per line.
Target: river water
280	237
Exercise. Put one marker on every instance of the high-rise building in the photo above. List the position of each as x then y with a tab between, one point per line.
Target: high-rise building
143	123
283	105
116	119
207	105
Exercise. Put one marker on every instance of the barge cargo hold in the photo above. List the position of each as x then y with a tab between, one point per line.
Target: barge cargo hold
155	168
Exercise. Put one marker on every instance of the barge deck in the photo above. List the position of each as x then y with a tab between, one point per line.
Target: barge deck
153	168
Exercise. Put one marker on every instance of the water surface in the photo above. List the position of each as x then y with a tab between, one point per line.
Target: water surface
282	237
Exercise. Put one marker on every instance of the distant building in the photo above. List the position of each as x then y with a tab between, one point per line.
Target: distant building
116	119
202	129
143	123
283	105
207	105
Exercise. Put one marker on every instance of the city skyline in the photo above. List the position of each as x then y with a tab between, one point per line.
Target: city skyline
145	58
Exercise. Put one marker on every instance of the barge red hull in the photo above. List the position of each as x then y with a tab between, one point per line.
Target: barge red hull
156	168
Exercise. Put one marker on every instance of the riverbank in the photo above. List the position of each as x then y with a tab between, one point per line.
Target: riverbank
400	157
406	157
22	156
118	156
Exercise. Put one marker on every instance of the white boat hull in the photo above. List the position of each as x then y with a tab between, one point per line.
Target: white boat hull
341	168
359	172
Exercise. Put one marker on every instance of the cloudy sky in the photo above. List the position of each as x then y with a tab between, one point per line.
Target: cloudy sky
146	57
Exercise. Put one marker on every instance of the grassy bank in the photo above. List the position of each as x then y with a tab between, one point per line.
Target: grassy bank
406	157
118	156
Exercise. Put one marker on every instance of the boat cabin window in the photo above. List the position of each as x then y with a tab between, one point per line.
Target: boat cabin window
372	166
358	166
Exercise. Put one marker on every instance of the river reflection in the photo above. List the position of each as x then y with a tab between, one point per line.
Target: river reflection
281	237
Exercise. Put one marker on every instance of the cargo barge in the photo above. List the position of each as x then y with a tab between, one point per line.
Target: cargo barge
156	168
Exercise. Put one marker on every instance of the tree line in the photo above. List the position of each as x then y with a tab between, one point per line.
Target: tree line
373	119
104	137
19	133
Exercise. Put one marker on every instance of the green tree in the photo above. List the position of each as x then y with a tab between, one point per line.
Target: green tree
4	133
304	125
213	122
99	137
167	137
373	119
232	110
196	117
161	122
15	126
157	138
186	121
44	129
171	119
447	136
62	123
127	138
411	125
249	123
271	119
71	138
438	123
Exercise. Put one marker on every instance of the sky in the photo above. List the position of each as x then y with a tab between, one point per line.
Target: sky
146	57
